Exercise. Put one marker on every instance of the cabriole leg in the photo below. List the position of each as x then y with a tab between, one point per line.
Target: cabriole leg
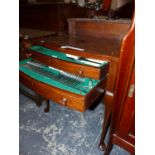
106	123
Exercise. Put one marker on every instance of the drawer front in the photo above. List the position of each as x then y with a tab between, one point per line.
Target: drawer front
65	98
73	68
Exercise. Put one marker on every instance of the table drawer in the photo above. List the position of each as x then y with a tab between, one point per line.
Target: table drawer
63	97
73	68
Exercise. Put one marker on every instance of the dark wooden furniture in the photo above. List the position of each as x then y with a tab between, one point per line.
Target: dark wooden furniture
101	39
122	127
38	99
26	34
53	16
66	98
48	16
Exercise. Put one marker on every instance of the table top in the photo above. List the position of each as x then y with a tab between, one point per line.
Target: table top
101	46
27	33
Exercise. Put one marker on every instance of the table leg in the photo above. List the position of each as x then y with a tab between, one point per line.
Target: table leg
47	105
107	117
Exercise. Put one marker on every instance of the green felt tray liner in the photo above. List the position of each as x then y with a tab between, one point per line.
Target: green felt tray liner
58	55
53	82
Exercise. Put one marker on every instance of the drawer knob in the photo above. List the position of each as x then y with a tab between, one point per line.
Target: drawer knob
80	72
63	101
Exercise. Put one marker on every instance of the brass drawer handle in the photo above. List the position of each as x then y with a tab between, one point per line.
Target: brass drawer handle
63	101
131	90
